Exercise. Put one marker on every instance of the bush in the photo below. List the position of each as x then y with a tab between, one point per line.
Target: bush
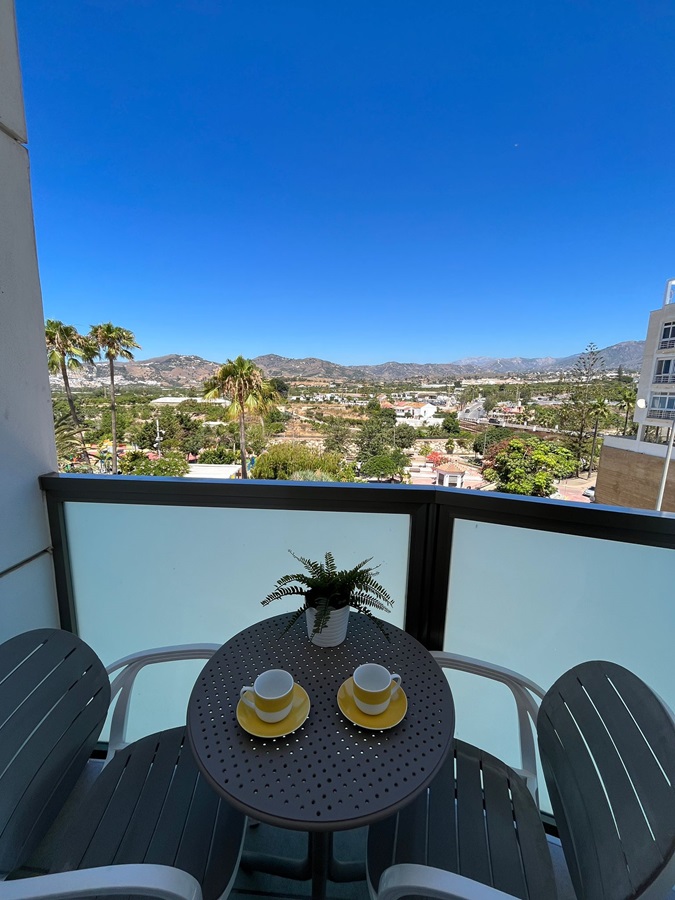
281	461
137	463
219	456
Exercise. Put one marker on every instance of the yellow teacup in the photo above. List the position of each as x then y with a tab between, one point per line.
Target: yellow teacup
270	696
374	686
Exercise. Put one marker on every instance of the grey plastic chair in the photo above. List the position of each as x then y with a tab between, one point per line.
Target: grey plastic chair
149	825
607	745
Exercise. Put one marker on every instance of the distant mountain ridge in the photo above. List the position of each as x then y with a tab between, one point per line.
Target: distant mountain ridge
184	371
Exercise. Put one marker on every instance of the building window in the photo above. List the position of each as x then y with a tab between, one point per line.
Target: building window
662	406
664	371
667	336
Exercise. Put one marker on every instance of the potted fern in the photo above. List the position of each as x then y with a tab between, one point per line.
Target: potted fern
329	594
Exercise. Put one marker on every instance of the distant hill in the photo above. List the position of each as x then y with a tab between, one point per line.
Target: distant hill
627	354
178	371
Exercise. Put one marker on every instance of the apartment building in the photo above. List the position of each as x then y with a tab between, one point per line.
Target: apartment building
631	469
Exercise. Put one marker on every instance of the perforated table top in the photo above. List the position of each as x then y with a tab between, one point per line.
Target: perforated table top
329	774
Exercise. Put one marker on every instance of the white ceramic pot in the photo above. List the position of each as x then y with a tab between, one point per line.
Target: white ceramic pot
334	632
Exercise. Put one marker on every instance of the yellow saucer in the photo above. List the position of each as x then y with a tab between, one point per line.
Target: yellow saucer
392	715
250	722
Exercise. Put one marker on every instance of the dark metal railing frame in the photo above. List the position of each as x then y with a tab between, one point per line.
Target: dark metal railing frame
432	511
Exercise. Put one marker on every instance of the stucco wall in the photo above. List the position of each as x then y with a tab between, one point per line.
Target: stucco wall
27	596
12	119
627	478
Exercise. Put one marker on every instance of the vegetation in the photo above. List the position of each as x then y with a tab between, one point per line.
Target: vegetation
493	434
450	424
529	466
383	465
325	588
281	461
135	462
242	383
67	349
337	435
112	342
584	390
218	456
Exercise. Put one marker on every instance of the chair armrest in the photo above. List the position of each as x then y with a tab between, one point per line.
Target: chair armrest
526	694
123	683
144	880
409	879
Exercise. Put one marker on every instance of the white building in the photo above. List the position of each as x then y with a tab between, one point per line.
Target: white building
657	377
421	412
631	470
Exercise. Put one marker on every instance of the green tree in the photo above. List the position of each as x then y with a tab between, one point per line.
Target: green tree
585	387
530	466
376	437
218	456
113	342
382	465
451	424
494	434
67	349
242	383
172	464
337	435
280	461
598	412
627	399
68	441
405	436
280	386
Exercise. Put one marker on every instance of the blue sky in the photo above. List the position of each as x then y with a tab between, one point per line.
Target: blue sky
358	181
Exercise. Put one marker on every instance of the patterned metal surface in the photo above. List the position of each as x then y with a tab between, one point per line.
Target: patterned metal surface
329	774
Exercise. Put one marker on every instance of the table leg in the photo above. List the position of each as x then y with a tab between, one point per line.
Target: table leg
320	865
320	855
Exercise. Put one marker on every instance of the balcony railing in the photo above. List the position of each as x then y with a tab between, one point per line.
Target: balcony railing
664	379
661	413
533	585
667	344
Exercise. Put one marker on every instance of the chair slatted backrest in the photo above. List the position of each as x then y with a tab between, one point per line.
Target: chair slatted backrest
608	752
54	696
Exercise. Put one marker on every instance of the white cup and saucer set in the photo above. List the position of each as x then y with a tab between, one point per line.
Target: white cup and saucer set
273	706
373	698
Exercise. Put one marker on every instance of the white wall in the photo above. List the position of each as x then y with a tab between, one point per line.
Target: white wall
27	596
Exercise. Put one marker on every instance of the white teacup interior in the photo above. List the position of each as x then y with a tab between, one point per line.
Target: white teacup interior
372	677
273	683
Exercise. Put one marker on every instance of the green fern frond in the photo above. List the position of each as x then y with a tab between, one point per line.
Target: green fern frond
292	591
294	618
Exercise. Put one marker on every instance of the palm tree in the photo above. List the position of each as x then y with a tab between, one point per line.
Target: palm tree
242	383
113	342
597	410
265	401
627	403
68	441
68	349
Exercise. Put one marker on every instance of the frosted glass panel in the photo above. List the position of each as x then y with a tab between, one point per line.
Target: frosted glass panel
151	576
539	603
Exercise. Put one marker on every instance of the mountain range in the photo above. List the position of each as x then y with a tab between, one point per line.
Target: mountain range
180	371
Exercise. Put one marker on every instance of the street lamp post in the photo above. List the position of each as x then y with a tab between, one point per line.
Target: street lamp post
641	403
666	464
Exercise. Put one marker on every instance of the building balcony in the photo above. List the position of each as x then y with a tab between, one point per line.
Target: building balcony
667	344
661	414
532	585
664	379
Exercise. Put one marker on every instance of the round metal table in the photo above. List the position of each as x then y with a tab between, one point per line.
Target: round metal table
329	774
